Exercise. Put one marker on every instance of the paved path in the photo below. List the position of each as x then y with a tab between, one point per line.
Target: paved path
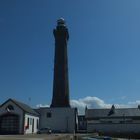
30	137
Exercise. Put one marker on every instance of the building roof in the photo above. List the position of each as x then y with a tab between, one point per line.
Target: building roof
117	112
23	106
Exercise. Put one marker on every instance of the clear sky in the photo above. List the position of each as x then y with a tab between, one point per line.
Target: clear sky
103	49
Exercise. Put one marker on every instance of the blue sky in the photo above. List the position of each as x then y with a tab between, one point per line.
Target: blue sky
103	49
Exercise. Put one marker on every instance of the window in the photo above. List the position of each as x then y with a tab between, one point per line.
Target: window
28	122
122	121
49	115
9	108
105	121
128	121
37	124
31	121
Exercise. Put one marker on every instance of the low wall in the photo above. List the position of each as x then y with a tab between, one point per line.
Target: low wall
62	137
69	137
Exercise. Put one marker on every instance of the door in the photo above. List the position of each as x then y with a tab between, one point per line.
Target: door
33	126
9	124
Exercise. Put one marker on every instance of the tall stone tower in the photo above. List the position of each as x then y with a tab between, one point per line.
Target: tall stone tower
60	82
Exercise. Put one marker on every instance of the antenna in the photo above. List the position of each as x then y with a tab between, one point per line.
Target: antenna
29	100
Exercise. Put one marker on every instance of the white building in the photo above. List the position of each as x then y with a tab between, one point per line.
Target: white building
59	119
114	120
17	118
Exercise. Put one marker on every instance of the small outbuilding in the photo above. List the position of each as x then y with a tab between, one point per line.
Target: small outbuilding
18	118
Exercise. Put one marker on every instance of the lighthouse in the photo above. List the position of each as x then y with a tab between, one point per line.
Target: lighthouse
61	81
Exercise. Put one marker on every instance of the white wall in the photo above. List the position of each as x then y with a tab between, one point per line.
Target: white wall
30	128
62	119
123	128
17	111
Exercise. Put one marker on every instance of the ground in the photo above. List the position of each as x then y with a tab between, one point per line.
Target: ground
51	137
33	137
